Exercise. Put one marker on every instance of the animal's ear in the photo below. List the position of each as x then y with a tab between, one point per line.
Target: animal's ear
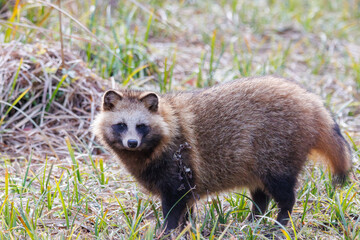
109	100
151	101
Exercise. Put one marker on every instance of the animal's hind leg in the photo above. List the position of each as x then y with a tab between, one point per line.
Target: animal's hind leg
260	203
282	189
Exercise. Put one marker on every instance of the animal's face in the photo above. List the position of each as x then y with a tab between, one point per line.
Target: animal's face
130	121
130	129
130	134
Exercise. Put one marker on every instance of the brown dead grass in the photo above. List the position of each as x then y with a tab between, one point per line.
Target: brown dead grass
30	128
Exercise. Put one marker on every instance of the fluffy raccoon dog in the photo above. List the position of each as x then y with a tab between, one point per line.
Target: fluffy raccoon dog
253	133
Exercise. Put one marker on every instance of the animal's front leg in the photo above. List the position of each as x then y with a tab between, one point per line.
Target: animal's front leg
174	206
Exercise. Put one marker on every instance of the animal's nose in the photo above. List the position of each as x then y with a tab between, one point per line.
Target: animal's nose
132	143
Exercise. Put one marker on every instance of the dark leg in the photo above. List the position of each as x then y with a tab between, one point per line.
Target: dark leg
282	190
260	202
173	210
285	209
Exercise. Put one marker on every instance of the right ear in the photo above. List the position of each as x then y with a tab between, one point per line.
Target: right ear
151	101
110	98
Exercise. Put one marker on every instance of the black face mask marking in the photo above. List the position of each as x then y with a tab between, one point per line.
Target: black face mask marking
119	128
142	129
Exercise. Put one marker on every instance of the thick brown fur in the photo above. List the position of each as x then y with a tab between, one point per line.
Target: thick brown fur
254	133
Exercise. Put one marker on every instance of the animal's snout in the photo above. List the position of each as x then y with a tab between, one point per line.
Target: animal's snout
132	143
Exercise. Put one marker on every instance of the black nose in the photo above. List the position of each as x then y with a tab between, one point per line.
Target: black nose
132	143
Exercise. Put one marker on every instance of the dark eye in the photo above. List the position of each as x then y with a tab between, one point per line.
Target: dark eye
142	129
119	128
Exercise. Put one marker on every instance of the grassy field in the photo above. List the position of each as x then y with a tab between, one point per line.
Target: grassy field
56	182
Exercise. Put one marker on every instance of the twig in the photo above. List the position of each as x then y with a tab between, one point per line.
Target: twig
186	171
61	39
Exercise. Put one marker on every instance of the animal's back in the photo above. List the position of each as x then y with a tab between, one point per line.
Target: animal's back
249	128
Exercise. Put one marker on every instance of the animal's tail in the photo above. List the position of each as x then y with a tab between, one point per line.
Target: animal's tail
336	150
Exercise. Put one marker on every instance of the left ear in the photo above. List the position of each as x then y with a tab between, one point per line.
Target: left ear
151	101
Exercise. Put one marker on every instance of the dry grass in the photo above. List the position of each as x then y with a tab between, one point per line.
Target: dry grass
36	125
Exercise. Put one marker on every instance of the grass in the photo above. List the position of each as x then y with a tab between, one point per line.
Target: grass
57	183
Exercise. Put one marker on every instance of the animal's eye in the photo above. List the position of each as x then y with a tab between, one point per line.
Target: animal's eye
140	126
120	127
142	129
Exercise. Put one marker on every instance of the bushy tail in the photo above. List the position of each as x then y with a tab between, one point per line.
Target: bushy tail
337	152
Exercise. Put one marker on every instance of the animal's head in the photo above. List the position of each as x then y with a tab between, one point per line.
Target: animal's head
130	121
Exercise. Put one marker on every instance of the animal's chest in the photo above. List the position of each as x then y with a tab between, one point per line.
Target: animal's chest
171	172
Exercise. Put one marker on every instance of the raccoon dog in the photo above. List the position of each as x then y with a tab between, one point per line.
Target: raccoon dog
253	133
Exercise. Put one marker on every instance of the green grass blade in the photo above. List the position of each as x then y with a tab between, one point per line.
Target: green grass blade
75	164
212	236
26	173
24	220
3	204
102	174
62	201
16	11
16	77
165	79
212	52
44	176
133	73
26	227
128	219
171	70
55	91
148	26
13	104
6	210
